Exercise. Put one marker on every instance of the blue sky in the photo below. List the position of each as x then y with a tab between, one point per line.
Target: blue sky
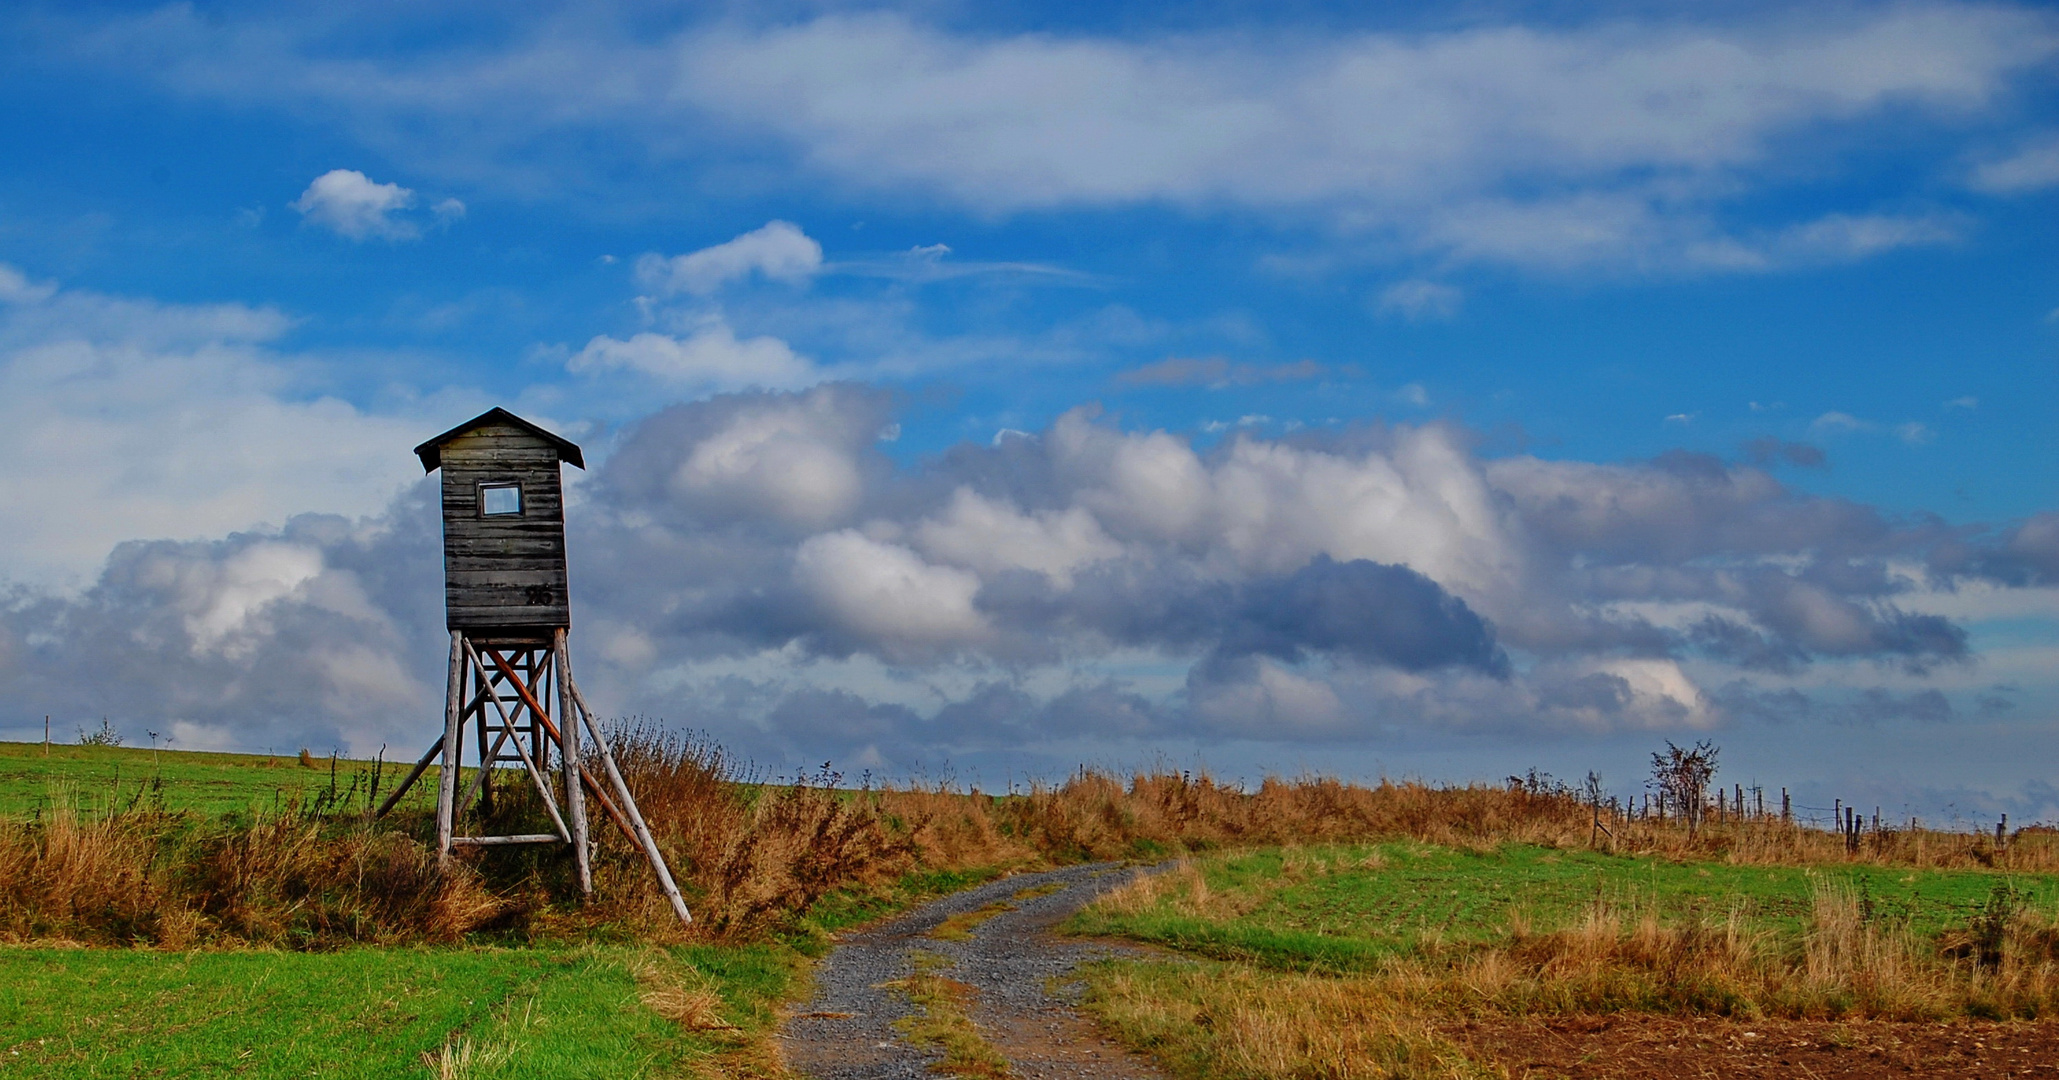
1009	386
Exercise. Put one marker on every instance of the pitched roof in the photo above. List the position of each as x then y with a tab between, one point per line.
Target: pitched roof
431	452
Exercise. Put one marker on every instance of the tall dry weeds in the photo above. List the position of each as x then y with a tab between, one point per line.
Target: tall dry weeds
753	856
147	877
1845	962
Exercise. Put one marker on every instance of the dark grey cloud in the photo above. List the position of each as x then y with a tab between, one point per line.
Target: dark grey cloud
1875	705
1367	611
1865	708
1683	506
2027	554
1803	619
1768	450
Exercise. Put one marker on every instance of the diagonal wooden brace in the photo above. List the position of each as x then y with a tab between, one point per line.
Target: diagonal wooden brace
614	813
550	802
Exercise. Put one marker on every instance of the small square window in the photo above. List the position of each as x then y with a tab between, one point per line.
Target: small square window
500	500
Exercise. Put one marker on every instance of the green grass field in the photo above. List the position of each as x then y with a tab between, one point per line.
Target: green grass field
547	1012
94	778
1350	915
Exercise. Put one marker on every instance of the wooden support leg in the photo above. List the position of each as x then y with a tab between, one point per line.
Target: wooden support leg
568	752
453	733
628	801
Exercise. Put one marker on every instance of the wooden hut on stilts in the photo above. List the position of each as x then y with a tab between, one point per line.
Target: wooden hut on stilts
509	612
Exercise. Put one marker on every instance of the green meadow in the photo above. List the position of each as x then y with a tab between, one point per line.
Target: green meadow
572	1011
1346	908
96	778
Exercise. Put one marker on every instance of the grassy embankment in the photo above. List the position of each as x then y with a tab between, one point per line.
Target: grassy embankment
1343	960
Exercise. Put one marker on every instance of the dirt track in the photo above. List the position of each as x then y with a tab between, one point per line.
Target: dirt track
1012	963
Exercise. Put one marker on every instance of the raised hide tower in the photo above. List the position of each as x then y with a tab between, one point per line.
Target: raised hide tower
503	527
508	607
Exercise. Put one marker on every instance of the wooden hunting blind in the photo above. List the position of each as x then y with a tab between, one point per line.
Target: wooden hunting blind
503	526
508	608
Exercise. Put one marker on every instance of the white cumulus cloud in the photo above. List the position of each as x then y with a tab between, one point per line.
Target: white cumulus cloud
889	594
712	356
790	460
779	251
353	205
989	536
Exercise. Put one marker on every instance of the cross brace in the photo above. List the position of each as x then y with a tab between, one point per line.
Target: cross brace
500	690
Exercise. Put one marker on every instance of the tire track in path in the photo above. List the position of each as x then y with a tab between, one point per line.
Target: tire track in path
1011	961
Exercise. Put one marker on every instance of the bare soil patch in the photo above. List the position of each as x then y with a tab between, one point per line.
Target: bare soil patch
1625	1046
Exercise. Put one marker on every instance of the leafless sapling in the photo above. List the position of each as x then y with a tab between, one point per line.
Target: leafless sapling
1681	777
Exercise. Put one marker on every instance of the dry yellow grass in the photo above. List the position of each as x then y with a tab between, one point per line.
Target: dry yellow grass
959	927
941	1020
681	995
152	878
1844	964
1224	1021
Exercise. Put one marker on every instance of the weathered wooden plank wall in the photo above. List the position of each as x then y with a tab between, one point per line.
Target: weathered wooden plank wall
504	573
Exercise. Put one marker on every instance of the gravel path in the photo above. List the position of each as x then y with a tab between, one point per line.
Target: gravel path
846	1032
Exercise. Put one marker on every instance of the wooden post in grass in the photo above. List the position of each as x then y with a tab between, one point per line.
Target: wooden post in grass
451	745
1786	809
508	609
